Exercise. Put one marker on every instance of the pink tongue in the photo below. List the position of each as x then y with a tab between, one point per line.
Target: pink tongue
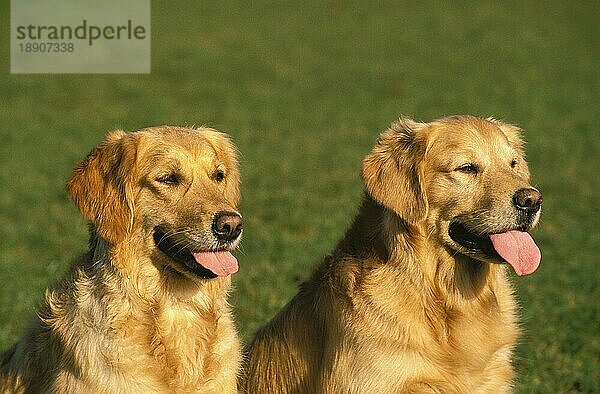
519	250
220	263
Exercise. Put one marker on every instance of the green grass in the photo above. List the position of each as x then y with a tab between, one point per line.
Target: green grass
304	88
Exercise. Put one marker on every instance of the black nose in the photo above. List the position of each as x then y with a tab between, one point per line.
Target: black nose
528	200
227	226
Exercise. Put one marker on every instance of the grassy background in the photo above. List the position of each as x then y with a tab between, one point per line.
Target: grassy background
304	88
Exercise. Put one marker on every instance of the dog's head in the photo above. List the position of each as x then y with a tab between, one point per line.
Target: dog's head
465	180
174	188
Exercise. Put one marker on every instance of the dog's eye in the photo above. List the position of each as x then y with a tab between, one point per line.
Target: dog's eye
513	163
468	168
219	175
169	179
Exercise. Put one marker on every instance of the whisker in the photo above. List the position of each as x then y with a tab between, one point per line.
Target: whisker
173	233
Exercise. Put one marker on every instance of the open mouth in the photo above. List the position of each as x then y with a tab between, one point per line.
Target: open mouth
206	264
514	247
471	241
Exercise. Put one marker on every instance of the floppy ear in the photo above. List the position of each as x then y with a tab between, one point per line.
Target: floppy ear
513	133
391	170
99	186
229	153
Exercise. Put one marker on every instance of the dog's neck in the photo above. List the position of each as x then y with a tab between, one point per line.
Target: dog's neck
379	234
166	315
147	281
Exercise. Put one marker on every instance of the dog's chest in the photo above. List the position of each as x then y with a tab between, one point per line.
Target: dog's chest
181	348
457	349
469	337
475	345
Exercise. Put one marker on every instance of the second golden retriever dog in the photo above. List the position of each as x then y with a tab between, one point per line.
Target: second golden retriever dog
415	297
145	309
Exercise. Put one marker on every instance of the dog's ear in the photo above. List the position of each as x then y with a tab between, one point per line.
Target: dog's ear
231	153
100	185
513	133
228	152
391	171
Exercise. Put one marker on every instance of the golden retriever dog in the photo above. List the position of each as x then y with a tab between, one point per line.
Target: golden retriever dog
415	297
145	309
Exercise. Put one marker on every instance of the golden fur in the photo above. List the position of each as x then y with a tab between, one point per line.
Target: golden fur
128	318
399	306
